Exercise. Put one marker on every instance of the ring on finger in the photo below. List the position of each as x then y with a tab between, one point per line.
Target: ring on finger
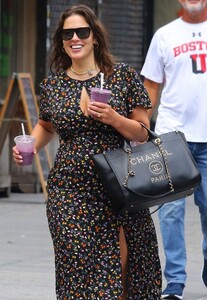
98	115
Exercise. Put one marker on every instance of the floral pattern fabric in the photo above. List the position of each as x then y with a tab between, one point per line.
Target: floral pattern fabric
84	228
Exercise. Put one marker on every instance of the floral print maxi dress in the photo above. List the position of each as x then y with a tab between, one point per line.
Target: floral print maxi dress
84	229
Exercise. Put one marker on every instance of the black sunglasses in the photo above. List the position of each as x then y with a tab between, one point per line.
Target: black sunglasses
82	33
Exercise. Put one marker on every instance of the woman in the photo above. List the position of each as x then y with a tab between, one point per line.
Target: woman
98	255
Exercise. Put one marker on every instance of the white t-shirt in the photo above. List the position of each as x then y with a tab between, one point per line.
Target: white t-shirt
177	57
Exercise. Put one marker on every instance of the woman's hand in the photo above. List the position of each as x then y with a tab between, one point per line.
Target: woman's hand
16	156
103	112
129	127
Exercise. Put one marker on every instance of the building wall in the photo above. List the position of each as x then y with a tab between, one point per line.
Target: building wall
165	11
17	53
124	19
17	40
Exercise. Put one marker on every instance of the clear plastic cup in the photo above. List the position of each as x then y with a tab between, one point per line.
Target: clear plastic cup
100	95
25	146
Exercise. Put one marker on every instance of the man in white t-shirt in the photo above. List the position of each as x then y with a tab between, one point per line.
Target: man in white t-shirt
176	66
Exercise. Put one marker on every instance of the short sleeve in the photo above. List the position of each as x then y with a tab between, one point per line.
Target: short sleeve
44	109
153	67
137	94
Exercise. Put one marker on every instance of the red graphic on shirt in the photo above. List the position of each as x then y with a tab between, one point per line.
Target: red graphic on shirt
199	60
191	46
198	63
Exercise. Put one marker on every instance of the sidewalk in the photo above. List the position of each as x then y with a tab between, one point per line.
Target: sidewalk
26	254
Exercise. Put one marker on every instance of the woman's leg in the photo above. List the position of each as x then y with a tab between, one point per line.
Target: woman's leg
124	259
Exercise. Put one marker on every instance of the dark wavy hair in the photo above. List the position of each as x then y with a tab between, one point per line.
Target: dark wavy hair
60	61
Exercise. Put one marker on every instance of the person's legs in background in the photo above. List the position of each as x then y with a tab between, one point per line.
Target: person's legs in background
199	151
171	218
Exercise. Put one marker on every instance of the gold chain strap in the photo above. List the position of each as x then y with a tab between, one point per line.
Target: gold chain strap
130	172
162	152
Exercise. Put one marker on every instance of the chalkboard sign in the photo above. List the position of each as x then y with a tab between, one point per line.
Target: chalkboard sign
21	87
8	110
28	97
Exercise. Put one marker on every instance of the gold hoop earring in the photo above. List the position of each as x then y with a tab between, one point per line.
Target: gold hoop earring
96	45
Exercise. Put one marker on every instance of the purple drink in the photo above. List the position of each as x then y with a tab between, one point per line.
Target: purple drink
27	158
100	95
25	146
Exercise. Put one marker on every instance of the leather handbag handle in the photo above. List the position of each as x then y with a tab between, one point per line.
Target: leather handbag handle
152	134
152	137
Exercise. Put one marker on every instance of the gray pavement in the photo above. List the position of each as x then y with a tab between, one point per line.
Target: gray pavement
26	254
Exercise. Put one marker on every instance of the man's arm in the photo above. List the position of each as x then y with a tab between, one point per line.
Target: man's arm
153	89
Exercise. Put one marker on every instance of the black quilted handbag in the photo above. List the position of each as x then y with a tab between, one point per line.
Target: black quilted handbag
158	171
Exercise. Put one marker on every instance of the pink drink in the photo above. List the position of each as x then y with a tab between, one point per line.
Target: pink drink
25	146
27	158
100	95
